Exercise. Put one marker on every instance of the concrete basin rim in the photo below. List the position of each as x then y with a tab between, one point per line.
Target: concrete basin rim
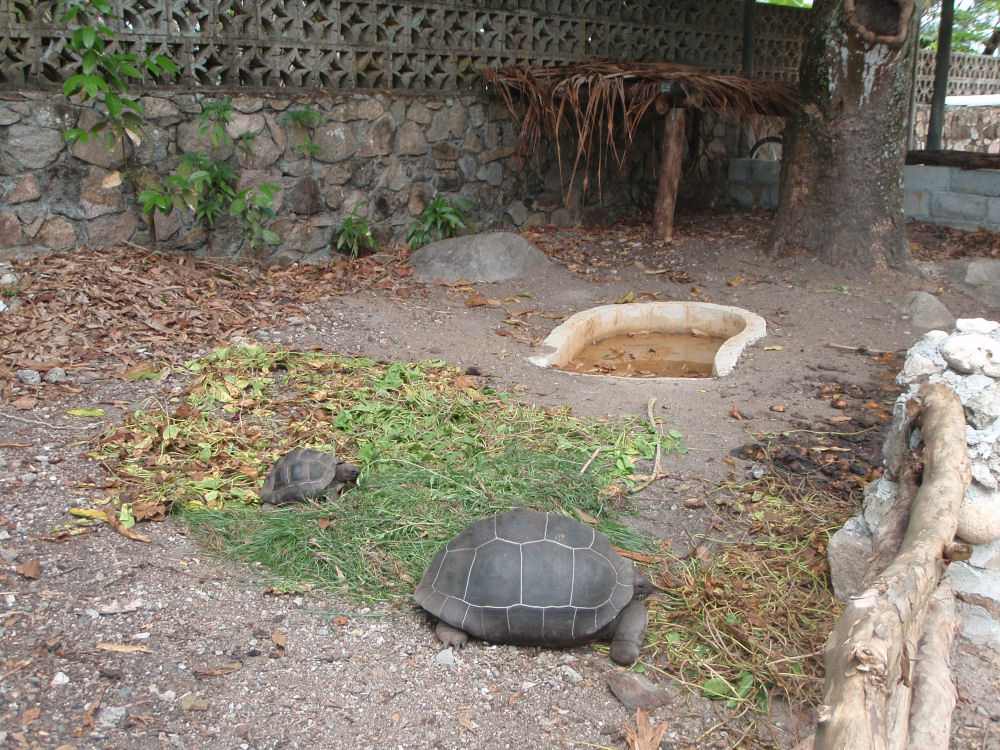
551	350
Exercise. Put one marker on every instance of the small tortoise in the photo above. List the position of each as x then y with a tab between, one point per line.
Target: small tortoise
531	578
305	473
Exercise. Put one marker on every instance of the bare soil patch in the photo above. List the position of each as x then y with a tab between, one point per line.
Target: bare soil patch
112	643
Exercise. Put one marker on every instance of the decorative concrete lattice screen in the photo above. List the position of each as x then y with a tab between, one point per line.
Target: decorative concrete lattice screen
399	46
969	74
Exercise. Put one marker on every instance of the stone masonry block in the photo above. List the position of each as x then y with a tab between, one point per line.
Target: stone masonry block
765	170
976	181
739	170
962	207
921	177
916	204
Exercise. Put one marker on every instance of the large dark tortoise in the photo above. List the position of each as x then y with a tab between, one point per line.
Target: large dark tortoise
306	473
533	578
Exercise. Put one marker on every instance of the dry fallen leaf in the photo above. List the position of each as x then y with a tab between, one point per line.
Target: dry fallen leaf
279	640
29	715
466	722
30	569
463	381
24	403
323	523
645	736
340	620
778	407
735	413
123	648
229	668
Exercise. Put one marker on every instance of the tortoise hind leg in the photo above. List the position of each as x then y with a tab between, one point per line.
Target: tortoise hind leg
629	634
449	636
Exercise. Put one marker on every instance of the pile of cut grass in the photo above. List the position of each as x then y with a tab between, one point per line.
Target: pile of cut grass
436	450
748	623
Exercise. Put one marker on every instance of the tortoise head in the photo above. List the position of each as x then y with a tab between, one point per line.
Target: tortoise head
643	586
347	472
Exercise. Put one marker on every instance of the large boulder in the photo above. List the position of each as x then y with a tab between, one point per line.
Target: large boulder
496	256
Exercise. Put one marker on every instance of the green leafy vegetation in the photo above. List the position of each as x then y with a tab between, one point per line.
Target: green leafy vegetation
306	120
355	233
441	218
972	28
104	76
436	453
200	184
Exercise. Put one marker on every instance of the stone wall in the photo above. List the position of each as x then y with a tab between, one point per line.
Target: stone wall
395	152
974	129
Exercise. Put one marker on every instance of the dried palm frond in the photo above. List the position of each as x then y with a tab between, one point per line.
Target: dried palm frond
602	103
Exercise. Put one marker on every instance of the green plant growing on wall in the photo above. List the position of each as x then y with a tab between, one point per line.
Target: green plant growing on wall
218	185
306	119
253	207
105	76
441	218
355	233
244	143
180	191
213	119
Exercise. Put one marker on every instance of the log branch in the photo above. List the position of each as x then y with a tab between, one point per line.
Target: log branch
934	693
871	652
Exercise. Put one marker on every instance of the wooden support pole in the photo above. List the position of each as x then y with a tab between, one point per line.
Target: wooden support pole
671	161
872	651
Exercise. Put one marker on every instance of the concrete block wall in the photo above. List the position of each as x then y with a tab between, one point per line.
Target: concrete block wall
753	183
953	197
961	198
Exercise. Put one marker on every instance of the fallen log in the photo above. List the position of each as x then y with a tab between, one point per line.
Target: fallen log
870	654
934	693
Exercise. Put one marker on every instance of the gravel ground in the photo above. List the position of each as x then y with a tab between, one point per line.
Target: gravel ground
112	643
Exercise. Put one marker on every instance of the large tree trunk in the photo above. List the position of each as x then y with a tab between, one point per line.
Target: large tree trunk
841	196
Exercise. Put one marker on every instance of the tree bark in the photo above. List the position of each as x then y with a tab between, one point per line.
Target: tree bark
872	651
934	693
994	41
671	161
841	195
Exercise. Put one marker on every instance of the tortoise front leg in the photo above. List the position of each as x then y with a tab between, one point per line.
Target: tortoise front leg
629	633
451	637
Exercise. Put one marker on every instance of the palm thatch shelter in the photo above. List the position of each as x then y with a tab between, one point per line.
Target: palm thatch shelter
602	103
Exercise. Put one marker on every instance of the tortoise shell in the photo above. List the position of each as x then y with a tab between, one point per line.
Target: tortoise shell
305	473
528	578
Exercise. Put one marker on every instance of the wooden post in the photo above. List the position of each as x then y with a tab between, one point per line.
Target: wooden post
670	172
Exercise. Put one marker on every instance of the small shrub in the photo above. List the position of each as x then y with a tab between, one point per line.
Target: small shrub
441	219
355	233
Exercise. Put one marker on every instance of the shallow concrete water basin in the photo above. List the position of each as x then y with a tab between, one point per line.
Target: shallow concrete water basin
652	340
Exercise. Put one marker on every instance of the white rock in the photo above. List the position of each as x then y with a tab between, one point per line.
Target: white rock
445	658
59	678
982	474
878	498
987	438
986	556
979	516
982	407
847	553
976	325
918	366
973	353
934	338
